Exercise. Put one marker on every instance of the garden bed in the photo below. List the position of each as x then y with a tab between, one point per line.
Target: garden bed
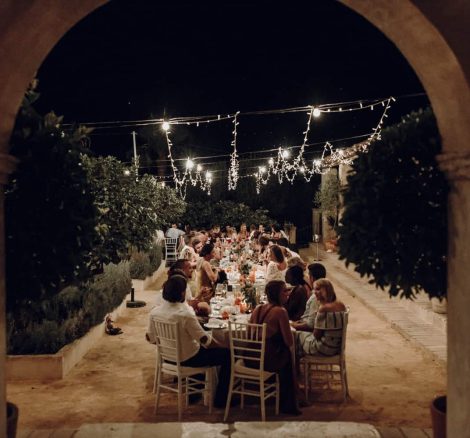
57	366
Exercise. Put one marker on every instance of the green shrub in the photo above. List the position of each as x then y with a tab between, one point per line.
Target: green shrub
45	327
139	265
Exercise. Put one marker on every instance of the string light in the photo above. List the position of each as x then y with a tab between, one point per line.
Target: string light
234	164
181	180
329	158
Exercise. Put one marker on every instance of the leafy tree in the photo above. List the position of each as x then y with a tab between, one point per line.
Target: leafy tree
130	210
207	213
50	215
327	198
394	226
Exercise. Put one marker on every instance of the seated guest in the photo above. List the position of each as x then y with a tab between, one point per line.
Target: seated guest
325	340
185	268
253	230
316	271
279	340
263	243
298	296
208	274
277	265
196	344
243	234
197	245
187	252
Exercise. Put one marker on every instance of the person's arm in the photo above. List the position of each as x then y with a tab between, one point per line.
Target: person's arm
195	331
318	333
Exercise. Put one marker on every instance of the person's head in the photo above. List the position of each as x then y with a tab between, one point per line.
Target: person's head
207	251
276	228
252	228
196	244
181	266
263	241
276	254
276	292
174	289
316	271
296	261
282	241
243	228
261	228
187	239
174	226
295	275
324	291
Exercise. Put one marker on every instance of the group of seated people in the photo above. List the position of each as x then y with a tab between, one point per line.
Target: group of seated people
309	306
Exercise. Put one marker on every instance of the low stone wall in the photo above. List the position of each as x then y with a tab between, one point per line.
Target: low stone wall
57	366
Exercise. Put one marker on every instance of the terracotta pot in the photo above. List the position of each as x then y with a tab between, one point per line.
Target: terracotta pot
12	420
438	416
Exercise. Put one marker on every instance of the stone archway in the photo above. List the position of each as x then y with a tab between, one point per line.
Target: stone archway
431	42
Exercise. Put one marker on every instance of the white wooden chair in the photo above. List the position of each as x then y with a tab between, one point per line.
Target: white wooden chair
328	369
169	362
171	250
248	343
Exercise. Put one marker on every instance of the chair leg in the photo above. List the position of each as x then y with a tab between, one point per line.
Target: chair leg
242	395
180	398
208	388
262	400
277	394
306	379
344	382
229	397
157	395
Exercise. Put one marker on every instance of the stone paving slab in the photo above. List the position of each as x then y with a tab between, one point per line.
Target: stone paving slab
274	429
414	320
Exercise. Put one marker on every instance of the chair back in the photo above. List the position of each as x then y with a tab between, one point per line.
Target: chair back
167	334
247	343
343	333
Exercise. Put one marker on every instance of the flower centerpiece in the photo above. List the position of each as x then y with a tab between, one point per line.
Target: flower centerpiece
245	267
249	292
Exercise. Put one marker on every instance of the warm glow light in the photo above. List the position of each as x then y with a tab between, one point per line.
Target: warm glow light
198	167
262	169
208	176
285	153
127	172
162	183
302	169
189	164
316	112
165	126
271	161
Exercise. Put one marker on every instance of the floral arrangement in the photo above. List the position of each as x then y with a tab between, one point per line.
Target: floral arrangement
245	268
249	292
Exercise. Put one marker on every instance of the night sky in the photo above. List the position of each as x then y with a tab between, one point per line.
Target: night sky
137	59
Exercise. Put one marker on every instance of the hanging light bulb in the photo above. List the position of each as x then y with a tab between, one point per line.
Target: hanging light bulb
209	176
165	126
302	169
271	161
189	164
262	169
198	167
285	153
127	172
316	113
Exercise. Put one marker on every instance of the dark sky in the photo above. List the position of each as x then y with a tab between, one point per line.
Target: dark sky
133	59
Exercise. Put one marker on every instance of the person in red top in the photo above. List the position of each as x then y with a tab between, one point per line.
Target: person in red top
279	341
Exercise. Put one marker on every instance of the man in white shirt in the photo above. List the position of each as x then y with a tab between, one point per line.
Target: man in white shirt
174	232
197	346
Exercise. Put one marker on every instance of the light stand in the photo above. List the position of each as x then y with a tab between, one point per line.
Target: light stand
316	239
133	303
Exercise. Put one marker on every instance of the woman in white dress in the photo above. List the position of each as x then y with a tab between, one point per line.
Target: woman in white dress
277	265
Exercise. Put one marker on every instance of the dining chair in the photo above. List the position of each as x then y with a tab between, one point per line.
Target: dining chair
247	349
329	369
171	250
169	362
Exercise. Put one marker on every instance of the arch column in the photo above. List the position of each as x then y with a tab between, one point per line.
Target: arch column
456	166
7	166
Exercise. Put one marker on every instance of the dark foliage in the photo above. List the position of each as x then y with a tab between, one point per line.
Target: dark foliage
394	226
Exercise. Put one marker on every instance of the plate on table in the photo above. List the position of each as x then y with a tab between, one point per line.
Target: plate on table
216	325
